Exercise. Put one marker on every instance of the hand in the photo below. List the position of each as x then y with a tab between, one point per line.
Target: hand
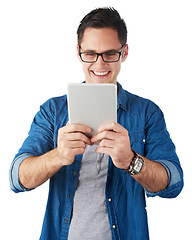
114	141
72	141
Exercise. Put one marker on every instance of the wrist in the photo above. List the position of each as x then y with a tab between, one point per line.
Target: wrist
129	160
136	164
55	161
131	157
62	158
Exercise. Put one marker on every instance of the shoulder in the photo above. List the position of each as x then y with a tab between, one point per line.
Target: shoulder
135	104
55	103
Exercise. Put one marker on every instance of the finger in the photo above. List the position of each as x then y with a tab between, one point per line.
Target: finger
108	151
104	135
78	137
113	126
75	136
77	151
107	143
77	144
76	128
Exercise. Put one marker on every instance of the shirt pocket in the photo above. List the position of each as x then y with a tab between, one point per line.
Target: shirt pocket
138	141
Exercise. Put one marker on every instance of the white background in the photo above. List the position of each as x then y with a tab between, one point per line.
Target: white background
38	59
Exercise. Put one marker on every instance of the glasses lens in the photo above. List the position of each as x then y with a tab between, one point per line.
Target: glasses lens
89	57
111	57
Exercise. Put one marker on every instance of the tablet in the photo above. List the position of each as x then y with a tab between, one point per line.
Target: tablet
92	104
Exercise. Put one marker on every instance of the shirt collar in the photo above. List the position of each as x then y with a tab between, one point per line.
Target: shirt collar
121	98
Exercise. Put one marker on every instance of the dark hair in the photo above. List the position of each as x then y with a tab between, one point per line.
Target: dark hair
103	18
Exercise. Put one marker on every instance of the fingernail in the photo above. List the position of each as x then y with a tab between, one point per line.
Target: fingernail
100	129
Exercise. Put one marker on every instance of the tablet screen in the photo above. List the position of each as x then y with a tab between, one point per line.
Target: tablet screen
92	104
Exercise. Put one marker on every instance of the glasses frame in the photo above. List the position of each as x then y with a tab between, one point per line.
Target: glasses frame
101	54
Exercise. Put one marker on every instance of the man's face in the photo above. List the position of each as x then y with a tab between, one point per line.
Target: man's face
99	41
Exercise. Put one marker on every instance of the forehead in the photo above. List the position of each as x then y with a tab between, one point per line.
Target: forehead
101	39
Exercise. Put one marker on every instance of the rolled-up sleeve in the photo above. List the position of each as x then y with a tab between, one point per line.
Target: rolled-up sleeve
160	148
38	142
175	181
15	184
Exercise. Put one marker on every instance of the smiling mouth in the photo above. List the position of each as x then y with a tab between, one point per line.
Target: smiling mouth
100	73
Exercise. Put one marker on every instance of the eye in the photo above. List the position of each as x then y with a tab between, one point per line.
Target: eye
89	54
111	54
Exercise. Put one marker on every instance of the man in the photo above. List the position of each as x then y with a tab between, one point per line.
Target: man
98	192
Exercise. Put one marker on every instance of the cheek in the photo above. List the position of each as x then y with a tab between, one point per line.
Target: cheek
86	67
116	68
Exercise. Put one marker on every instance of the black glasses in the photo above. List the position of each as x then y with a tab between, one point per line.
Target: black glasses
108	56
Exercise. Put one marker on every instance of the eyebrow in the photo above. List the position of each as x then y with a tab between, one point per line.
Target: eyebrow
107	51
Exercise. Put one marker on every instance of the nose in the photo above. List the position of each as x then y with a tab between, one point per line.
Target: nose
100	61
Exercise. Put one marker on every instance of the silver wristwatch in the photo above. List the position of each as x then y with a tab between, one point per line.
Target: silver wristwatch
136	164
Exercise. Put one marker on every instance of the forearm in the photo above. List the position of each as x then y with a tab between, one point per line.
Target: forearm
153	177
36	170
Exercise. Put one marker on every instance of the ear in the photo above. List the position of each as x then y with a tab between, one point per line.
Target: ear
125	53
78	52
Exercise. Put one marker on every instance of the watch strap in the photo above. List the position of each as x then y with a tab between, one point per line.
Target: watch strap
136	164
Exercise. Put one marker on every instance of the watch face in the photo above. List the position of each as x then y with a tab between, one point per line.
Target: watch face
138	165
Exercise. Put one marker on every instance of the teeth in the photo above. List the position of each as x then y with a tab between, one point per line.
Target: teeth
100	73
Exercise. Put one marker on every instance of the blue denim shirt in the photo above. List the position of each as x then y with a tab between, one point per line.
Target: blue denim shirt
125	197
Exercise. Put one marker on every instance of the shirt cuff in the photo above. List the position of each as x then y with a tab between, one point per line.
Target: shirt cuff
173	177
15	184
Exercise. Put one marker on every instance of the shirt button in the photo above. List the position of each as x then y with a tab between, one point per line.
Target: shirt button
66	220
143	140
74	173
113	226
69	195
109	200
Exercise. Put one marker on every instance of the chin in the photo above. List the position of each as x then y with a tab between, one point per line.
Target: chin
100	81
